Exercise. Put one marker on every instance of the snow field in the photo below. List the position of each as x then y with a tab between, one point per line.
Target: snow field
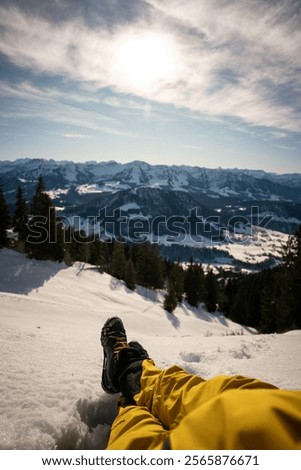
51	358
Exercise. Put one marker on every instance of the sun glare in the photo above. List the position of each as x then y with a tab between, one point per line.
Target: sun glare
144	60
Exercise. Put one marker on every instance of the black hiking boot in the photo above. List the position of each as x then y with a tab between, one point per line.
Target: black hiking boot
120	357
113	339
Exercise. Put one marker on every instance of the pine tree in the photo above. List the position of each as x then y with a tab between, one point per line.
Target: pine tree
130	275
4	220
292	250
268	310
170	300
41	202
104	260
149	266
211	292
176	280
99	255
289	304
238	309
194	284
227	294
80	246
118	261
20	219
46	238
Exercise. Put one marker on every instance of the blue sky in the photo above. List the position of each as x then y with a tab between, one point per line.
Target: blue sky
213	83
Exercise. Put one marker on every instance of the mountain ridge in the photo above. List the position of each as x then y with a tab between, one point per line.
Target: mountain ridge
133	172
115	162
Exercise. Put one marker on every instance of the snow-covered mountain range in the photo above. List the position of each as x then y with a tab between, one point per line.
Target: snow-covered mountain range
181	207
112	177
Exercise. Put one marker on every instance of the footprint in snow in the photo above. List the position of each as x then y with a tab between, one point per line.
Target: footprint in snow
190	356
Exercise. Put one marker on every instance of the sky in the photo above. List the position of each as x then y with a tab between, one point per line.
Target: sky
212	83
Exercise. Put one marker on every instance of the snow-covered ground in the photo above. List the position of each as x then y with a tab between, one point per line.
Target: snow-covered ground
51	316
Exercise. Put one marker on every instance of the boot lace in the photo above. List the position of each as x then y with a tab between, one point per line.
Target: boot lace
120	344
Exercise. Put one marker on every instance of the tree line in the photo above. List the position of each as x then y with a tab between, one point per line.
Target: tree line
269	301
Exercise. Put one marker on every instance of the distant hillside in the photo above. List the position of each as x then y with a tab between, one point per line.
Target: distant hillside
185	209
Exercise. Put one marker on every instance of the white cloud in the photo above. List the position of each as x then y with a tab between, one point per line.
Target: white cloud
75	136
257	43
51	104
228	58
114	131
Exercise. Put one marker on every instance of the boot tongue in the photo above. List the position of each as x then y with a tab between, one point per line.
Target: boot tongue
120	345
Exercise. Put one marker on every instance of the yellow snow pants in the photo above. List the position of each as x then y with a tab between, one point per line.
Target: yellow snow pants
178	410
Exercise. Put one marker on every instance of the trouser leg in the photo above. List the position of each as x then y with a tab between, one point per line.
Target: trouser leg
171	394
262	419
135	428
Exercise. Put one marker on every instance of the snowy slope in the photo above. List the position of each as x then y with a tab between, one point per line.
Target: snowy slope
50	318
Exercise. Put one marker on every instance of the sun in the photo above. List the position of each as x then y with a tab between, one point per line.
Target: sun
144	61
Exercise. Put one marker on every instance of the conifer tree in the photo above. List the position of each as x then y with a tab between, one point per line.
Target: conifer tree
289	304
104	262
149	266
268	310
239	308
194	284
20	219
211	292
226	293
292	250
45	239
130	275
98	255
4	219
176	280
41	202
170	300
118	266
